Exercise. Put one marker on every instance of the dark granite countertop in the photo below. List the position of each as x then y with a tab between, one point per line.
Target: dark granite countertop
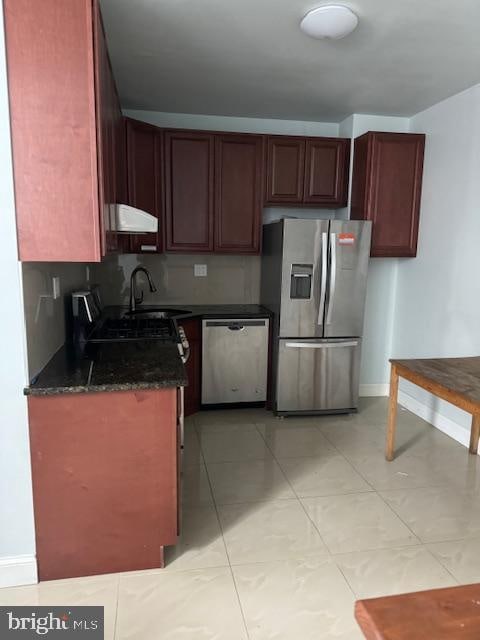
111	366
123	366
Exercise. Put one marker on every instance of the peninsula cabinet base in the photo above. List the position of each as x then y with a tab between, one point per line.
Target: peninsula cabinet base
104	469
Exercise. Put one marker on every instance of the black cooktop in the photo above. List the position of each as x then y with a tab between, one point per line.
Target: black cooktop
120	329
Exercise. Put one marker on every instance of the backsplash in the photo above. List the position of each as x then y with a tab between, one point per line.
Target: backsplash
230	279
44	316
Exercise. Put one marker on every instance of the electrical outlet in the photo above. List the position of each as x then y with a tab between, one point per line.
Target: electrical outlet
56	287
200	270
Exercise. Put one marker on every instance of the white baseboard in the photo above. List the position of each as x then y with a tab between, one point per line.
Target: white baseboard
374	389
444	424
18	570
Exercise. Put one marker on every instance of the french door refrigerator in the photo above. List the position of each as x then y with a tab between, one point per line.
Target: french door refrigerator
314	275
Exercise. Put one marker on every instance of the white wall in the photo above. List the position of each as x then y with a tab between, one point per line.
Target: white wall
437	311
17	540
45	318
382	275
229	123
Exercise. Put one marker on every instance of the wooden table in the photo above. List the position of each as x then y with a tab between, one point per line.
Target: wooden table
438	614
456	380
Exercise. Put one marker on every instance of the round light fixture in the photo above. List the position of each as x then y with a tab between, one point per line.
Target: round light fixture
329	21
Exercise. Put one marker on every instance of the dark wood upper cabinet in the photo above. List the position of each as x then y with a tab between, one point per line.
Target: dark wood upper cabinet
238	193
121	161
285	170
307	171
108	116
64	110
144	169
326	172
189	197
386	188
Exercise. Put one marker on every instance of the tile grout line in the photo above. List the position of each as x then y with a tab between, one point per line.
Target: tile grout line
440	563
377	492
373	490
330	555
116	609
238	599
296	495
421	543
398	516
215	506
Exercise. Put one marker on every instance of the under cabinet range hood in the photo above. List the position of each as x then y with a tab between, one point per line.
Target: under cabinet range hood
132	220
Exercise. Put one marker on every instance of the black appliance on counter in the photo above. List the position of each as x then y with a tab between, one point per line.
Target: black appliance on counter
91	325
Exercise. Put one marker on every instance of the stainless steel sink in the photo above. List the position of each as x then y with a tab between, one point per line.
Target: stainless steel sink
157	312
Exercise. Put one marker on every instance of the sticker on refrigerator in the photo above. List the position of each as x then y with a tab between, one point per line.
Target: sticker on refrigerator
346	239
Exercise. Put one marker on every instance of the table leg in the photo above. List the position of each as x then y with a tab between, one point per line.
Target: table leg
392	413
475	433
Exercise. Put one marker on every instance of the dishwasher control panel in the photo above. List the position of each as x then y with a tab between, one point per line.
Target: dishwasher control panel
234	360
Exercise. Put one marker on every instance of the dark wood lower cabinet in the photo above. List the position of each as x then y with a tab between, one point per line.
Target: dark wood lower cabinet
104	471
193	331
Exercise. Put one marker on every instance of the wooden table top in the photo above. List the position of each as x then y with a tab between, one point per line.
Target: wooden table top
438	614
460	376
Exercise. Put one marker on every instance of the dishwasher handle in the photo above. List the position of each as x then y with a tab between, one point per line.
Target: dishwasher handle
235	325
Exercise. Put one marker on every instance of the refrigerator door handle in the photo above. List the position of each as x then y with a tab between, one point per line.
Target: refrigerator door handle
323	345
323	281
333	274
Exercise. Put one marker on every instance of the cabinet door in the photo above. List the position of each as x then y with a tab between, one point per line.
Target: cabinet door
285	170
118	498
121	160
386	188
144	168
106	124
193	390
50	59
238	193
189	158
326	171
123	239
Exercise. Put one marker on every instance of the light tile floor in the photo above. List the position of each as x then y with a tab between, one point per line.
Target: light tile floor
287	522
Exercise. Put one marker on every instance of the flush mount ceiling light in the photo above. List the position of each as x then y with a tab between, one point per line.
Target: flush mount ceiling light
329	21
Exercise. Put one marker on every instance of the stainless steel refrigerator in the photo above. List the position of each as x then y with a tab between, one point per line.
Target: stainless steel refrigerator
314	276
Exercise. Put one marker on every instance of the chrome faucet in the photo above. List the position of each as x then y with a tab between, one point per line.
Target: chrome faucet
134	298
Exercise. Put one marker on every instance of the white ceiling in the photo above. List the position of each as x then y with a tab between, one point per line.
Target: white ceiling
249	58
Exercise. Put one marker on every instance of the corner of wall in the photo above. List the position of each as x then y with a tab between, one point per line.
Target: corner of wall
17	536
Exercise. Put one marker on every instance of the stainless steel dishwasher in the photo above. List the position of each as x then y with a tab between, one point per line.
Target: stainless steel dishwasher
234	360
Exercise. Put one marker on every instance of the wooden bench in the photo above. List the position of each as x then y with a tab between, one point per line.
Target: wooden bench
438	614
456	380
